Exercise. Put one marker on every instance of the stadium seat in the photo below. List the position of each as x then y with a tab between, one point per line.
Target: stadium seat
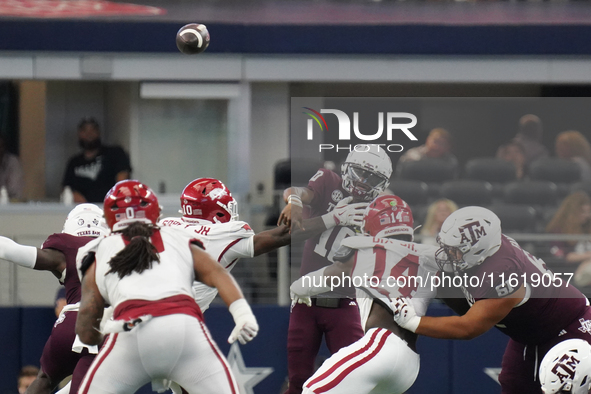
515	217
491	170
428	170
413	192
534	193
496	171
560	171
431	171
467	192
555	170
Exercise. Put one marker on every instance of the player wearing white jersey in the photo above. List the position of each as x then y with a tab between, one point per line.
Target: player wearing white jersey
383	264
157	331
211	213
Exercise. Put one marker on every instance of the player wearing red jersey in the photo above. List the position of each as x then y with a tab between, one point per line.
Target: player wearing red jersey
383	264
505	290
336	206
211	213
157	331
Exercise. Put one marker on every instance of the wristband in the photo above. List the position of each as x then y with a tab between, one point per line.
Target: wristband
294	199
239	308
329	220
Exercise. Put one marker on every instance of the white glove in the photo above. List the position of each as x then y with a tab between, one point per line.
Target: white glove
246	324
308	285
299	299
405	315
345	214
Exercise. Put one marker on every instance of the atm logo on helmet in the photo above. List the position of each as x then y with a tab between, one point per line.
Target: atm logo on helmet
565	368
472	232
345	124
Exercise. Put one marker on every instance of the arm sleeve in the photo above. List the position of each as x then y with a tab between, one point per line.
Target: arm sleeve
242	247
25	256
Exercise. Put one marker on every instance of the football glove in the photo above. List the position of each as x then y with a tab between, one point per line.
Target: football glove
345	214
246	324
404	314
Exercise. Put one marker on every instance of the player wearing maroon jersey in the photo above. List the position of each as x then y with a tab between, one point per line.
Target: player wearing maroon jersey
58	255
504	285
333	314
384	264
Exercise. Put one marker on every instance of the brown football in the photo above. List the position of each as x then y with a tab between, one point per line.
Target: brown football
192	38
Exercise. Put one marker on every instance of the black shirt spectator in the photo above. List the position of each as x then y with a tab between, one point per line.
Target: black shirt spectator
93	172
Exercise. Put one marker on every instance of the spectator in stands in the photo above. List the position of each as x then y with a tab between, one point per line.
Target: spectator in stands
529	137
437	146
11	172
93	172
26	376
437	212
573	145
574	217
513	152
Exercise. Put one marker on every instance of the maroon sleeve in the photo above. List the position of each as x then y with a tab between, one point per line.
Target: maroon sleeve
55	241
318	184
499	279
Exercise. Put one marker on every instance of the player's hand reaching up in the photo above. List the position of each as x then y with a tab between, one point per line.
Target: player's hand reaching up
345	214
404	314
246	323
291	215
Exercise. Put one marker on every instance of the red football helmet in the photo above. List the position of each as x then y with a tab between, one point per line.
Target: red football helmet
208	199
386	216
129	201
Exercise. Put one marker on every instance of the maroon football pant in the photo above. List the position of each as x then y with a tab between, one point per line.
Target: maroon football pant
58	360
521	364
340	326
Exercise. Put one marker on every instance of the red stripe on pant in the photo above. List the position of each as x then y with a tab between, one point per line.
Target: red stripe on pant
226	369
98	361
347	358
335	381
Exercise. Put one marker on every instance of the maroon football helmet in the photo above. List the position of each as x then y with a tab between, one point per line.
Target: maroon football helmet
130	201
208	199
387	216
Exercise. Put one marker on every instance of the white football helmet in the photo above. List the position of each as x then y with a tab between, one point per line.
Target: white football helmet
366	174
467	237
566	368
86	220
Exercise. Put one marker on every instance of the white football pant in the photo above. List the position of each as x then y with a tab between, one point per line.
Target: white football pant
174	347
378	363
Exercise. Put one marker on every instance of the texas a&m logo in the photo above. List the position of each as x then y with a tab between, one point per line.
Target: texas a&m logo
564	368
472	232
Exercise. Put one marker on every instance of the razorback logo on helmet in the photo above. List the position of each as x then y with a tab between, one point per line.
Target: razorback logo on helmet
472	232
565	367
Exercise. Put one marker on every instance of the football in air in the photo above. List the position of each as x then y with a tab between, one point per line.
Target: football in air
192	38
